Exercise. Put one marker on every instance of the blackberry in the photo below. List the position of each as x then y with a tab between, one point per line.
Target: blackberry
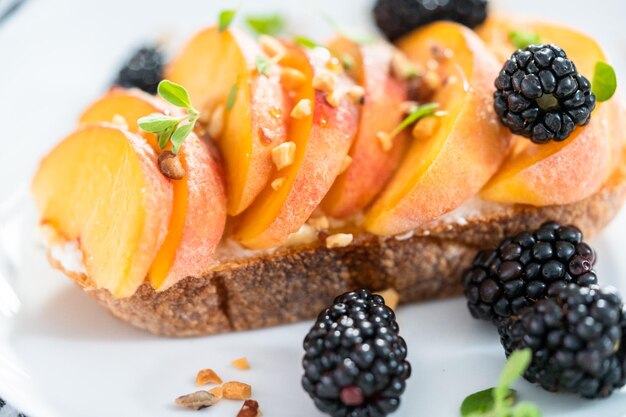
399	17
527	268
355	361
144	70
541	96
576	339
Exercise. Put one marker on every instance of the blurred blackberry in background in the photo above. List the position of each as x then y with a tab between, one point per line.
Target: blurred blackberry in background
355	361
527	268
144	70
541	96
396	18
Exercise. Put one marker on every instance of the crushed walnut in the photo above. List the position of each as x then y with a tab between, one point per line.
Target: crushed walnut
320	223
283	155
339	240
386	141
197	400
216	122
357	94
207	376
291	78
334	98
302	109
235	390
324	81
171	166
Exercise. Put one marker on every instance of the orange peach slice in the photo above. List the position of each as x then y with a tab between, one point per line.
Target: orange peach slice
215	65
322	138
101	186
370	166
199	207
442	171
553	173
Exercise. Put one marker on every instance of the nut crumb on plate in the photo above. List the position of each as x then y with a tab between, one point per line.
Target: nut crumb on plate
339	240
197	400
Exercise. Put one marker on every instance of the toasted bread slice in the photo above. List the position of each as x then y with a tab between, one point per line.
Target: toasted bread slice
253	289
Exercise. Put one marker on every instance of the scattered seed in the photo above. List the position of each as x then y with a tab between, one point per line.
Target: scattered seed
250	408
302	109
339	240
171	166
391	297
234	390
207	376
241	363
197	400
283	155
291	78
216	122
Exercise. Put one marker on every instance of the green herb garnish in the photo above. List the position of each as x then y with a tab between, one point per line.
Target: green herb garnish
499	401
262	64
271	24
305	42
522	39
418	113
604	81
347	61
232	95
226	19
169	128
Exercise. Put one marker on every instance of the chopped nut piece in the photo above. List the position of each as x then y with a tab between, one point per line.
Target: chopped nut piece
402	68
119	121
334	65
324	81
277	183
302	109
357	94
266	135
320	223
391	297
206	377
218	392
216	122
304	236
425	128
339	240
291	78
171	166
272	47
334	98
386	141
241	363
432	80
250	408
236	390
197	400
345	164
283	155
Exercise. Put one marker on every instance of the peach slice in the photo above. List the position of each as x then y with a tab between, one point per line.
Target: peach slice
553	173
199	207
466	147
371	166
101	186
322	140
215	65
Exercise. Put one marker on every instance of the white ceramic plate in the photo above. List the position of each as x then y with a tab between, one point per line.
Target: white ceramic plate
61	355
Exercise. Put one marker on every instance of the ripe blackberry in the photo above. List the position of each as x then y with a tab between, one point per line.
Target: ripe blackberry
540	95
576	339
355	361
527	268
399	17
144	70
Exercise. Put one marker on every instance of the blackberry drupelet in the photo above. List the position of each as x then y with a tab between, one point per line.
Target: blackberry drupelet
527	268
355	361
576	338
540	95
144	70
399	17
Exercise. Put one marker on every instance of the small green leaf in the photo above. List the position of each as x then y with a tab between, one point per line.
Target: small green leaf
164	136
418	113
225	19
515	367
604	81
522	39
157	122
526	409
347	61
174	93
482	401
232	95
271	24
179	136
262	65
305	42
